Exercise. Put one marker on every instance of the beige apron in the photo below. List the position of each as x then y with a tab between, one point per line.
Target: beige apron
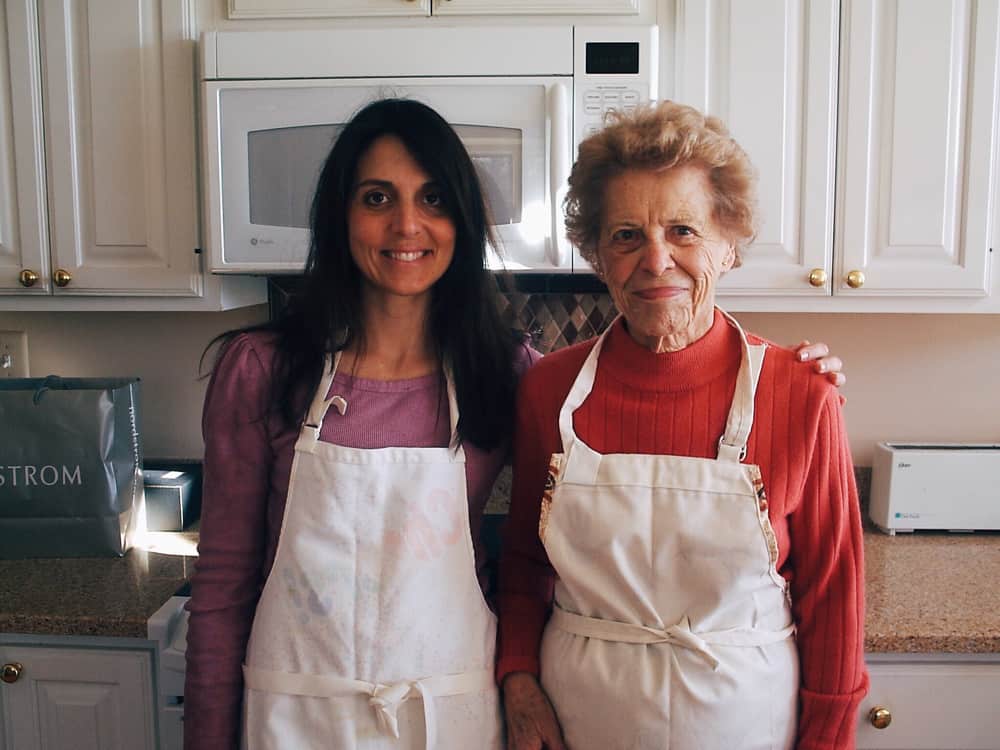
672	628
372	631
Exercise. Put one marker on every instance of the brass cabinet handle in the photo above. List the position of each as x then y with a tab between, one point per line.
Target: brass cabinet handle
62	278
11	672
855	279
27	277
817	277
880	717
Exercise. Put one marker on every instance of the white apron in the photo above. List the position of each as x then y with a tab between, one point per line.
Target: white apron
671	628
372	631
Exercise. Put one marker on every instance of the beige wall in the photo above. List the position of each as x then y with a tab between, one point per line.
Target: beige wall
161	348
910	377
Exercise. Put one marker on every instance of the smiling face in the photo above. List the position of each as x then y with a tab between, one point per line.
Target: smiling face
402	238
661	254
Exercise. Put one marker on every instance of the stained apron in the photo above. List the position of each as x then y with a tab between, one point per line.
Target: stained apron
371	631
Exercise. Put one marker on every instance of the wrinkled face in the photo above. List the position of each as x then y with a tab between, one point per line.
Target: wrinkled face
661	254
401	236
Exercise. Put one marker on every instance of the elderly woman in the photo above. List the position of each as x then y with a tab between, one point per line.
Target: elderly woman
682	566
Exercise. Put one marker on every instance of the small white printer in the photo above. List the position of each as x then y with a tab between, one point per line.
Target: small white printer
935	486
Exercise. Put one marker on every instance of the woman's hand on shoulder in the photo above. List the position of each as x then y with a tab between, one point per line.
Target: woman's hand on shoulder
531	720
823	361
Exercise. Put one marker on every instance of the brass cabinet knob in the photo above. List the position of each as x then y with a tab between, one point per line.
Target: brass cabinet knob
62	278
855	279
11	672
817	277
880	717
27	277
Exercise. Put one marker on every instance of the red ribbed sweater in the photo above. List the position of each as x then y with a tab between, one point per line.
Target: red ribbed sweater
677	404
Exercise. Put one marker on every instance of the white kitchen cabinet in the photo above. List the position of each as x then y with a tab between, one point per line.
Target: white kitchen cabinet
932	703
919	147
873	125
80	698
374	8
326	8
768	68
535	7
98	174
23	222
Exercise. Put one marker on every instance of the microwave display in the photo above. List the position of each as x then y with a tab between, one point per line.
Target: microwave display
284	166
612	58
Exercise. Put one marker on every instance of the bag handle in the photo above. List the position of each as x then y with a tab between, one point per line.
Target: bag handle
50	382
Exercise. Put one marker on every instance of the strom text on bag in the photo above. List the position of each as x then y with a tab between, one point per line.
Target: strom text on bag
46	475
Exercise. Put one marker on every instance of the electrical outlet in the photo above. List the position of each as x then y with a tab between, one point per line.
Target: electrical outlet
13	354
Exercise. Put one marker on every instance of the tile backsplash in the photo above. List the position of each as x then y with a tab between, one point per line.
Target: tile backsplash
557	320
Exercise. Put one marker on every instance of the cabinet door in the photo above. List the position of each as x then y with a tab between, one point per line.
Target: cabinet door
83	699
932	706
119	99
918	113
768	69
534	7
23	240
326	8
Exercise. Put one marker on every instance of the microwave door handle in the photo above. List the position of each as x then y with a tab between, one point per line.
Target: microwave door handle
559	158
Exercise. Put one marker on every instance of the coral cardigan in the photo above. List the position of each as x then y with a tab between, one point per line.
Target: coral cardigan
677	403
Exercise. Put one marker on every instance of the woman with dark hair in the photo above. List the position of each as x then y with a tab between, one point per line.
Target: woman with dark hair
319	616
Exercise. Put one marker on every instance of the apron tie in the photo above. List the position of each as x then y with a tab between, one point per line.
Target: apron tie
678	634
385	700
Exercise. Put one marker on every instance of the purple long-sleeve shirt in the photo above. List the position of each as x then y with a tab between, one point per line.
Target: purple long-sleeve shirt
248	459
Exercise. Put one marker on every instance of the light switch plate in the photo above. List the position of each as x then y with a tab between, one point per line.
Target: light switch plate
13	354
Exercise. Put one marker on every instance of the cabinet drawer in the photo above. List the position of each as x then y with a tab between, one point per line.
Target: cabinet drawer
934	706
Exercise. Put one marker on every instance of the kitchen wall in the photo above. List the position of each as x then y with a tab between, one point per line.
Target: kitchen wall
910	377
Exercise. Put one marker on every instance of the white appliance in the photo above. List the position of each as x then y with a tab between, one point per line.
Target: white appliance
168	628
520	98
935	486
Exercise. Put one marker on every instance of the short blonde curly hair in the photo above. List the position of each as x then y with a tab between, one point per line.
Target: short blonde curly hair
661	136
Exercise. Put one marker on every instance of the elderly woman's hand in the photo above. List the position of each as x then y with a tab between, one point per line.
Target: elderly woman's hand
531	721
823	361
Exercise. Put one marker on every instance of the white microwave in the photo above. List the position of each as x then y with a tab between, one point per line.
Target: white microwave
520	98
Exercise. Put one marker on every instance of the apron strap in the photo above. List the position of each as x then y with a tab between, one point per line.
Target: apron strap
321	404
586	462
679	634
733	443
385	700
580	390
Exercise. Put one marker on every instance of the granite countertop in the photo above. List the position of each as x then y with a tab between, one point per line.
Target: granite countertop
926	593
932	593
100	596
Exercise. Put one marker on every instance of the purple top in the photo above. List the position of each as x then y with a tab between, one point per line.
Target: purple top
248	460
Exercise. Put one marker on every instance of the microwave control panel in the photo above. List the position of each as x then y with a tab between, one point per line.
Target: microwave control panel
613	69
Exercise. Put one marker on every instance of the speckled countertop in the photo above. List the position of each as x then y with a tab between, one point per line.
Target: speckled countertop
926	593
105	596
930	593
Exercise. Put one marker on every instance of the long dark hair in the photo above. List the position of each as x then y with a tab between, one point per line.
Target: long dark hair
464	322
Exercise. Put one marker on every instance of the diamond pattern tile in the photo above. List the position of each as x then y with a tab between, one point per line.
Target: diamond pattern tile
557	320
